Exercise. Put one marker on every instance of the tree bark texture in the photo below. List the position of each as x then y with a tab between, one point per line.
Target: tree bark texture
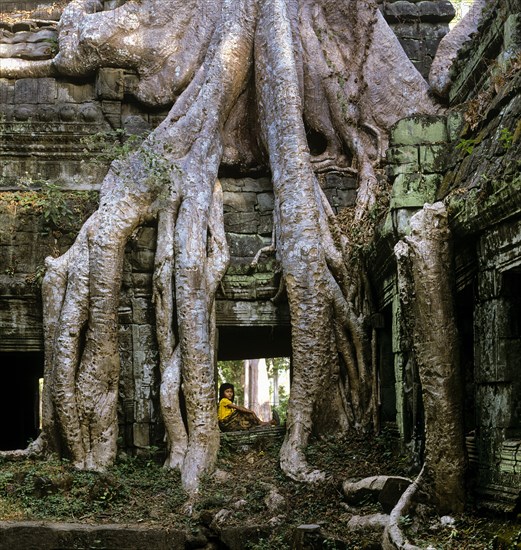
426	292
281	68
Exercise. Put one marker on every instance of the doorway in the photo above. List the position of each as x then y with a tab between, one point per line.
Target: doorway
20	398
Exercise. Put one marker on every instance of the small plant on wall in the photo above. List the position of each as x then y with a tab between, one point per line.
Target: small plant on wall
60	211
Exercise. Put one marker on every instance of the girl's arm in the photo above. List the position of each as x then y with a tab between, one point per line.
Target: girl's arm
239	408
244	410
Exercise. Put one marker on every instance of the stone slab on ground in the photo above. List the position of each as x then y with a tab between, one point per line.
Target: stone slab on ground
31	535
253	437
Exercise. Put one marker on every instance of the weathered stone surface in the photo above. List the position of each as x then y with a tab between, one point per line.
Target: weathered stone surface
245	246
419	130
265	202
400	11
62	536
438	11
242	222
239	202
26	90
77	93
135	125
392	491
413	190
338	180
250	313
386	490
110	84
426	11
431	158
407	154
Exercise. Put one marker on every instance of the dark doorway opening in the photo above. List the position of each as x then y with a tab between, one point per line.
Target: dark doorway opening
20	398
510	342
253	342
386	369
465	300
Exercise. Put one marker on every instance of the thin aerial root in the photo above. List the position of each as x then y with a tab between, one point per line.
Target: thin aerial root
270	249
345	350
218	250
393	538
170	364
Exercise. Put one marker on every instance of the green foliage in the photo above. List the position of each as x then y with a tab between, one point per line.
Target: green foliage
104	147
282	407
53	43
277	366
506	138
59	210
55	209
405	521
256	492
36	278
505	542
467	145
55	490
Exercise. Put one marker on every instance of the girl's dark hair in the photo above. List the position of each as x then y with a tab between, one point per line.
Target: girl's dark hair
224	387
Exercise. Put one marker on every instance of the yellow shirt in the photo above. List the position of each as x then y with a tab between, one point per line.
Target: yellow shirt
224	409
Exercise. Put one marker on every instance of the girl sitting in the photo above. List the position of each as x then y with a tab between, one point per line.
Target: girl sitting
232	417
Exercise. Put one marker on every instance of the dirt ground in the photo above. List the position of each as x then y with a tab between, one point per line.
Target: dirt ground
247	489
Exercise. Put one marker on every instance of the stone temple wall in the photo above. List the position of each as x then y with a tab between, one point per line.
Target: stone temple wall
419	25
471	161
487	227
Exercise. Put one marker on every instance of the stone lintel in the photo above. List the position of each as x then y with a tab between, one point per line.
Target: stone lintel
251	314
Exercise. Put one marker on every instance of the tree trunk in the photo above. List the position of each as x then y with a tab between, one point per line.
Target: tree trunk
427	293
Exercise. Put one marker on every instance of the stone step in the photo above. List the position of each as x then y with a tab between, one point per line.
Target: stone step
254	437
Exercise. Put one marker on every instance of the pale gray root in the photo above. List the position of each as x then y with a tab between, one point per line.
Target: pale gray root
85	365
373	485
165	56
328	304
424	260
393	538
174	171
54	287
304	243
24	68
169	351
372	522
202	269
440	77
300	252
353	91
200	250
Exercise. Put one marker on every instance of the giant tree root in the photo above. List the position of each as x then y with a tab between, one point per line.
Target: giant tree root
290	66
385	489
